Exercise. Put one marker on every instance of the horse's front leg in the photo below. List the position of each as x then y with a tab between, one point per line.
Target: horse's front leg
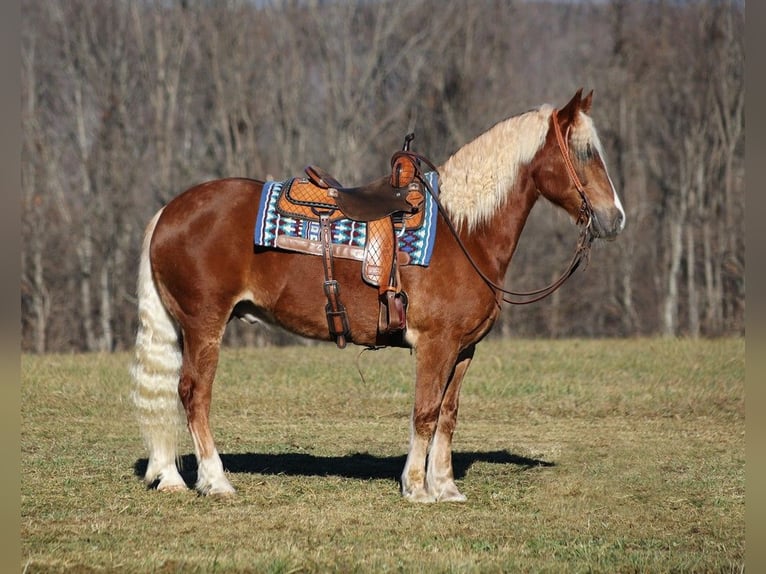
440	479
200	360
435	363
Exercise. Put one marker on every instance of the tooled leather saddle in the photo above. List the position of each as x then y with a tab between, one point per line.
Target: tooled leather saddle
386	205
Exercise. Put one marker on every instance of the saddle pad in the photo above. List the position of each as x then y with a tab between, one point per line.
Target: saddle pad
417	244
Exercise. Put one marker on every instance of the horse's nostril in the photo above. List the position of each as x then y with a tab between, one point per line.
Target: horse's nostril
619	220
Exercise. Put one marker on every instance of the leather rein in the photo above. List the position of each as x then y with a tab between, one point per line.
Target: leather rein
584	220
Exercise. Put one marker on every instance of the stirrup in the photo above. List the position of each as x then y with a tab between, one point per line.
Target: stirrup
392	317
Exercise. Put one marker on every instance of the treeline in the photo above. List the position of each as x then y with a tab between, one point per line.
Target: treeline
126	104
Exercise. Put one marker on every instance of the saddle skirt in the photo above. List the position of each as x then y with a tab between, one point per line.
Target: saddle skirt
287	219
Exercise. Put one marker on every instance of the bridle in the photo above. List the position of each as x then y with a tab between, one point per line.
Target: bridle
586	209
584	221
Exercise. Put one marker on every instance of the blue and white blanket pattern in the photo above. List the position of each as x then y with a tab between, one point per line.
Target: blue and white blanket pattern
418	244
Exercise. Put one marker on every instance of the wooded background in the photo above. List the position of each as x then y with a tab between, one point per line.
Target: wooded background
126	104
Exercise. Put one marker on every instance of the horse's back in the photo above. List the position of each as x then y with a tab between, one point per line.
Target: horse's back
210	201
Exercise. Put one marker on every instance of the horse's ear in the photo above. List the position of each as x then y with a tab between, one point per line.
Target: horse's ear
568	113
587	102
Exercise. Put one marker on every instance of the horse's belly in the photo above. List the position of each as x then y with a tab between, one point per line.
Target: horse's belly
288	290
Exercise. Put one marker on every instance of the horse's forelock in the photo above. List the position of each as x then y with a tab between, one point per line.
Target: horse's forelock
584	135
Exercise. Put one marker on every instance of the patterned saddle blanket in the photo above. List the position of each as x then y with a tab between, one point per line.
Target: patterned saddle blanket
278	227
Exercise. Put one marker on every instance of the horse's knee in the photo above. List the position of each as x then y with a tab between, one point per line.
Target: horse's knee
447	424
424	420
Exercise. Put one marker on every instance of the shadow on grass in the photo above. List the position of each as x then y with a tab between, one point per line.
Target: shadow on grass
362	466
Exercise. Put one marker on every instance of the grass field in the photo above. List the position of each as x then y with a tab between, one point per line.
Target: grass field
576	456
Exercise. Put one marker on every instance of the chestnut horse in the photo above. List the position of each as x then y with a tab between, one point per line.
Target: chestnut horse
199	269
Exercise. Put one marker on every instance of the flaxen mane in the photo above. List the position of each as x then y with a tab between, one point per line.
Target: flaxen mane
476	179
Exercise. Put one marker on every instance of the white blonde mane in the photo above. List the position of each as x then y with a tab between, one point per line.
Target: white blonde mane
475	179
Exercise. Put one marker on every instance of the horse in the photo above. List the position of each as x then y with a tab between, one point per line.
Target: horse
199	268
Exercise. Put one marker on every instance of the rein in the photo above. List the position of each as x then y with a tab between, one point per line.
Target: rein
584	241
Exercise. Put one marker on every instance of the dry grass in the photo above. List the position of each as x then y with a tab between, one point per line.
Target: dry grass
581	456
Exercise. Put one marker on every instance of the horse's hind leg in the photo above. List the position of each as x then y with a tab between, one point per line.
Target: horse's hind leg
200	360
439	476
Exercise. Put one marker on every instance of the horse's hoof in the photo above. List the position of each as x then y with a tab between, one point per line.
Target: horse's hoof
419	495
171	483
453	496
165	480
171	487
220	489
221	494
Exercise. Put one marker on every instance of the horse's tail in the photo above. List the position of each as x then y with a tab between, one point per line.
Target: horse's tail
155	372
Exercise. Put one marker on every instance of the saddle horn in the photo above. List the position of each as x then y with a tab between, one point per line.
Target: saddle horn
407	140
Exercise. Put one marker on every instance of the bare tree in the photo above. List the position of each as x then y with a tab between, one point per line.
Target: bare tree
126	104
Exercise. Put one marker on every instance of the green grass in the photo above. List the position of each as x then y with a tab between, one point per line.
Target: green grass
576	456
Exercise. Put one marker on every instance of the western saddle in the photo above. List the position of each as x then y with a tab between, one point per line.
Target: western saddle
386	205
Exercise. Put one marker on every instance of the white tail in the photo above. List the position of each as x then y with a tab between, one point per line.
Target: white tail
155	372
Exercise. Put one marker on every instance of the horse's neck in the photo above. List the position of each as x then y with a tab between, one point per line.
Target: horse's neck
488	190
493	242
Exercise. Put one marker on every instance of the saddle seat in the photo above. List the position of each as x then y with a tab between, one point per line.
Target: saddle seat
385	205
380	198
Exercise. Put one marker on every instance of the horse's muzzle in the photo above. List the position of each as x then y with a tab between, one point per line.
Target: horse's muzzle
607	223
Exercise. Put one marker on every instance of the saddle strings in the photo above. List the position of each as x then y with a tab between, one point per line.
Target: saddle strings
359	356
582	249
